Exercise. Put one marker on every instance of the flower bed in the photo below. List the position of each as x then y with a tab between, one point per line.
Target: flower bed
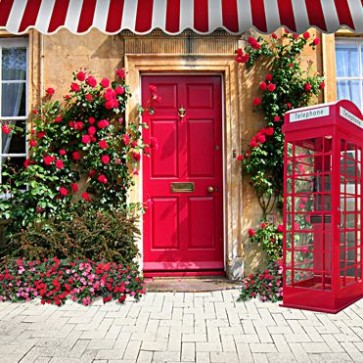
55	280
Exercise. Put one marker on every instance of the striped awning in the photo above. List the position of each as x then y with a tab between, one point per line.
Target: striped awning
174	16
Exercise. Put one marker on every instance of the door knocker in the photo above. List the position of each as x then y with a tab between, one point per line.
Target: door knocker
182	112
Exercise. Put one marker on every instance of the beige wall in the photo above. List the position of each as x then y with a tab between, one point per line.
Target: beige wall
55	57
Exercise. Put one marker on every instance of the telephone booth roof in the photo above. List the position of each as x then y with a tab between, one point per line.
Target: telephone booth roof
322	119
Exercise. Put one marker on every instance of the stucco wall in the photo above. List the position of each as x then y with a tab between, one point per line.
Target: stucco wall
60	54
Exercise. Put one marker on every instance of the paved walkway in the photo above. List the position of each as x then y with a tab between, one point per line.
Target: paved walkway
178	327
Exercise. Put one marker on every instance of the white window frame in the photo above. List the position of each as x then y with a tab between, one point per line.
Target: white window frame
14	43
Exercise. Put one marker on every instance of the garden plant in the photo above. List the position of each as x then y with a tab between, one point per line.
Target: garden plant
287	84
69	229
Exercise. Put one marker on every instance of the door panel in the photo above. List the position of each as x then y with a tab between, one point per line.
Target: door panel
183	230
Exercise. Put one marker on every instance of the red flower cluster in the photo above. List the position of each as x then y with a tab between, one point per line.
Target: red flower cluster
260	137
54	281
254	43
241	57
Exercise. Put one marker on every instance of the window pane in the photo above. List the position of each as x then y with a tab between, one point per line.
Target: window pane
14	143
347	60
349	90
14	64
13	99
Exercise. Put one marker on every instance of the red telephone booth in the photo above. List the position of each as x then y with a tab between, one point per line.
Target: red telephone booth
322	207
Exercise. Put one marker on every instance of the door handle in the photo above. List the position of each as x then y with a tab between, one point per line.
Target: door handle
212	189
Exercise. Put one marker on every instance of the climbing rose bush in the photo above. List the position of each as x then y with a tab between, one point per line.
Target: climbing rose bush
53	281
284	86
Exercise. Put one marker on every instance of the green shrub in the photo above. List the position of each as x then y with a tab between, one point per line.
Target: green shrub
88	234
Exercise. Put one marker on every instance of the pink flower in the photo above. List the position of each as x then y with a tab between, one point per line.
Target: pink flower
5	129
86	139
33	143
91	81
271	87
306	35
103	124
76	155
307	87
92	130
263	86
251	232
103	144
316	41
102	179
105	82
120	90
74	187
50	91
63	191
105	159
86	197
257	101
121	73
75	87
81	76
59	164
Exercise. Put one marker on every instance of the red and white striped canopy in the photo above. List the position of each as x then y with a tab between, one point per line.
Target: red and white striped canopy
174	16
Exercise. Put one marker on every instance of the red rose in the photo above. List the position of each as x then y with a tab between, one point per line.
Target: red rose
102	179
78	125
251	232
269	131
105	159
86	139
269	77
86	197
33	143
91	81
81	76
76	155
289	105
58	119
322	85
62	152
274	36
92	173
260	138
88	97
256	45
263	86
134	143
48	159
59	164
74	187
240	157
316	41
67	97
277	119
5	129
152	88
26	163
72	124
263	225
306	35
121	299
103	124
295	36
257	101
243	58
63	191
120	90
75	87
121	73
40	134
307	87
91	120
271	87
126	139
280	228
253	143
136	156
92	130
105	82
50	91
103	144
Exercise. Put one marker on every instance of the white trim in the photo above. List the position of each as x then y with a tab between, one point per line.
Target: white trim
224	157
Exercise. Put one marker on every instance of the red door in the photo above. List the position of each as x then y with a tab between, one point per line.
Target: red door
183	178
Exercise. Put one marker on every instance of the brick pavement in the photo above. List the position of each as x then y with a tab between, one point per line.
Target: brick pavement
178	327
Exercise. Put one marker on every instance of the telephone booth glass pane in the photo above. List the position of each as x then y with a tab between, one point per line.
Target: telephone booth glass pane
350	213
308	214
